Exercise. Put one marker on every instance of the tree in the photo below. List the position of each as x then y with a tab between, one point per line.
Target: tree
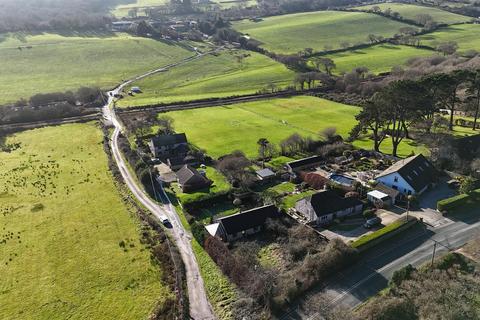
405	101
327	63
345	44
166	125
473	95
467	185
448	48
329	133
265	149
447	86
423	18
372	118
372	38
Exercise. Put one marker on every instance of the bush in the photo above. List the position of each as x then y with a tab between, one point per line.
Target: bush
400	275
369	213
363	240
459	201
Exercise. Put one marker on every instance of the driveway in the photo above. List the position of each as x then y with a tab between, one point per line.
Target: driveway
428	204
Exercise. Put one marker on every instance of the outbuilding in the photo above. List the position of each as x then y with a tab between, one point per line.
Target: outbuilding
379	199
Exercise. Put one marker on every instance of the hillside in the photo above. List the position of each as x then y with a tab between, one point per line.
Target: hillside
46	63
228	73
294	32
409	11
62	225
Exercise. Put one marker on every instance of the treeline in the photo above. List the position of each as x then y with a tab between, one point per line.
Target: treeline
394	110
44	15
51	106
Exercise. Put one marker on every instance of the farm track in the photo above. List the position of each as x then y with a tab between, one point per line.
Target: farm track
200	308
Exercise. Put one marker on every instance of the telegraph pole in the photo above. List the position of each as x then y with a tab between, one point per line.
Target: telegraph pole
434	249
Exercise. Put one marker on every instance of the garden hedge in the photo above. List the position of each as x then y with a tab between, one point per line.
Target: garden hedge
458	201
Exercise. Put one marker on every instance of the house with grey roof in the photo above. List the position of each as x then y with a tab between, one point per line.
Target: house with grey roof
410	176
234	227
169	145
191	180
325	206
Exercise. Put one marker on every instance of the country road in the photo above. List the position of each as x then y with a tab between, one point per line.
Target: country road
371	274
200	308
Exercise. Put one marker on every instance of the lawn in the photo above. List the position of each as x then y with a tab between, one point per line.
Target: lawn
221	130
62	220
230	73
466	36
410	11
294	32
220	186
378	59
59	63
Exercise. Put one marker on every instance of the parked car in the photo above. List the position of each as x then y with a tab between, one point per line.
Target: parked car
372	222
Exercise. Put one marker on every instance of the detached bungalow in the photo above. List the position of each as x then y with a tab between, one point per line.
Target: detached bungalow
191	180
325	206
242	224
410	176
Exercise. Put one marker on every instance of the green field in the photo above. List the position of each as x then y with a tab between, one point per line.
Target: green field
211	76
140	5
61	222
294	32
380	58
467	36
409	11
58	63
221	130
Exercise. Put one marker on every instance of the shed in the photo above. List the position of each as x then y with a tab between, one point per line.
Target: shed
265	174
379	199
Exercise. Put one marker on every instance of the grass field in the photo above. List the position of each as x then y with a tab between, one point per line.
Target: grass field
140	5
294	32
466	36
61	222
59	63
410	11
380	58
221	130
211	76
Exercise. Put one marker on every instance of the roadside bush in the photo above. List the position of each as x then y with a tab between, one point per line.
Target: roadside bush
458	201
400	275
363	240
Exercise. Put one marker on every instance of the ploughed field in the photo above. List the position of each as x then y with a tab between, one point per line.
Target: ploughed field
317	30
61	224
411	12
378	59
227	73
221	130
46	63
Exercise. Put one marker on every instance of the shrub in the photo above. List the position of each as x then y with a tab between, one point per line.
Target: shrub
459	201
369	213
400	275
363	240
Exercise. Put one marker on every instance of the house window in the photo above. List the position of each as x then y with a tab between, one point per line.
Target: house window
415	172
395	179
